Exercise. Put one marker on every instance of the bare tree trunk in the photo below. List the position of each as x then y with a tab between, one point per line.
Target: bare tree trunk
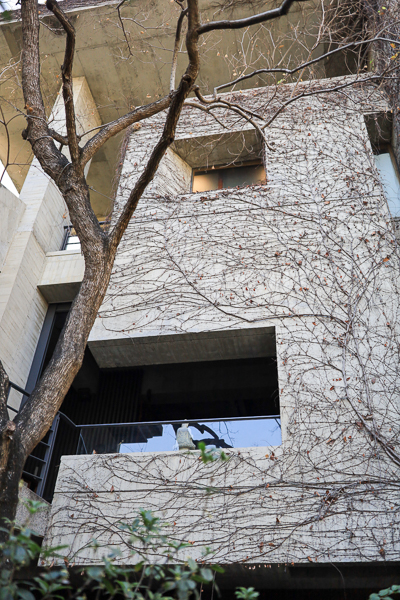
99	249
11	465
13	460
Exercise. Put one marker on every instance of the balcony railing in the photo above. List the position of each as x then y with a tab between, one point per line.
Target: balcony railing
71	240
37	466
160	436
149	436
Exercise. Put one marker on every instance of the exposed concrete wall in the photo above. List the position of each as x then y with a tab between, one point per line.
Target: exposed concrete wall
37	522
151	262
236	508
312	252
11	209
62	275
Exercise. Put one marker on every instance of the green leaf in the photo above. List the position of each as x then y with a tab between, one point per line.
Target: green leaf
126	588
217	569
34	506
109	587
243	593
41	585
6	15
169	585
95	573
206	455
199	578
20	555
207	574
192	564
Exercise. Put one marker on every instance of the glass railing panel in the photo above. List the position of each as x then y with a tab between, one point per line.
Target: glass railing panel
73	243
161	437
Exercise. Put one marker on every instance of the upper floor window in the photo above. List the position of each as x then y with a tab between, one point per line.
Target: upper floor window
218	178
389	174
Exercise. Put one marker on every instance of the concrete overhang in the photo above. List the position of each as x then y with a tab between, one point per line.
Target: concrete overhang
62	276
185	347
202	151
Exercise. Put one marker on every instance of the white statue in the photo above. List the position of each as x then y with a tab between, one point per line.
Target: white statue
184	439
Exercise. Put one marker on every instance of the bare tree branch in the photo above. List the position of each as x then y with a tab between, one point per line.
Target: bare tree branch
274	13
60	138
4	383
336	88
182	15
51	159
108	131
66	70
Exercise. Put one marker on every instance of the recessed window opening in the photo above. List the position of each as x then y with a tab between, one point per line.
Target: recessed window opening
71	240
389	175
223	177
227	404
230	402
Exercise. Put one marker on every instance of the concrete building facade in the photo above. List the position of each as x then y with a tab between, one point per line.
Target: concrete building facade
264	313
287	257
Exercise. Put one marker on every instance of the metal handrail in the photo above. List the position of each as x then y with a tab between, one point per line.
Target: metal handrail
68	420
67	233
173	422
199	424
19	389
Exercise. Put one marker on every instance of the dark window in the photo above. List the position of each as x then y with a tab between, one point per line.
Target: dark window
217	178
221	401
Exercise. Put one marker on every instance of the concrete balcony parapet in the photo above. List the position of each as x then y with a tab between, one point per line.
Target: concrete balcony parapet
62	275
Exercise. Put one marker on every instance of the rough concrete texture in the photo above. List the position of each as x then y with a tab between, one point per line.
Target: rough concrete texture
237	508
11	209
37	522
62	275
312	252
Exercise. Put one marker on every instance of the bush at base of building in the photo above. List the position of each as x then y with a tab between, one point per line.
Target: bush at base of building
144	581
